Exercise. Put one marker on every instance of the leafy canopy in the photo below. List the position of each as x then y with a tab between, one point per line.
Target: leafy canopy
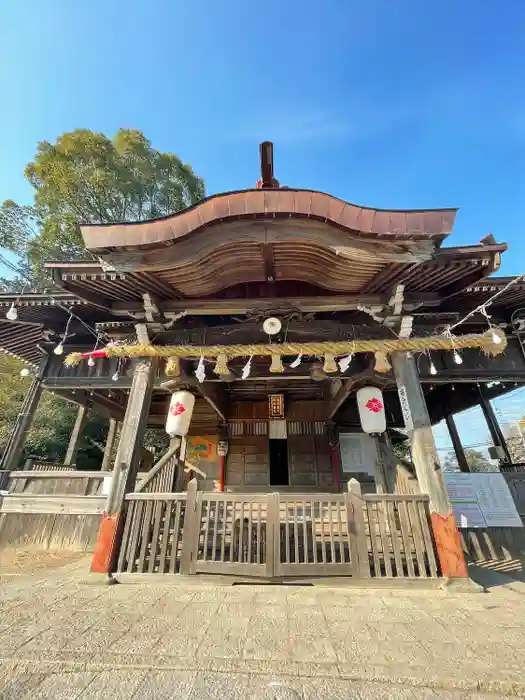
86	177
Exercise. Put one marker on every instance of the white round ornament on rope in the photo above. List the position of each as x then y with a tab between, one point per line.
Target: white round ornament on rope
272	326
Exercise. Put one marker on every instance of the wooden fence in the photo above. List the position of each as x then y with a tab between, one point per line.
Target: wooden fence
55	509
278	536
40	465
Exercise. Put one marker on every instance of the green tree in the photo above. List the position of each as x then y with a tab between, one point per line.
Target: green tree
53	423
476	461
86	177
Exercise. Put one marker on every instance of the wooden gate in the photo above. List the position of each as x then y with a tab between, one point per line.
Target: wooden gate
273	536
234	534
314	536
278	535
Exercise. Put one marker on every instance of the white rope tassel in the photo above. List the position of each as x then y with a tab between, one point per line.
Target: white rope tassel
246	370
345	362
200	372
296	362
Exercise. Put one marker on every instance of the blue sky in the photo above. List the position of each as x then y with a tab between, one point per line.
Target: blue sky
404	104
413	103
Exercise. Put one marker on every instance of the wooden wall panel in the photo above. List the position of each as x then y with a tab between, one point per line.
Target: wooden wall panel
306	410
247	463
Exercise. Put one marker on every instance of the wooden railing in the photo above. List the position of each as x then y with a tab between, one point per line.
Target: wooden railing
51	509
40	465
276	535
152	538
56	491
399	537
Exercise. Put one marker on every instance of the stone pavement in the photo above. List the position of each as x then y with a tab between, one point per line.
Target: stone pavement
66	636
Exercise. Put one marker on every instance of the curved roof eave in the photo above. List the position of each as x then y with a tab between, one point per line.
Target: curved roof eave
428	224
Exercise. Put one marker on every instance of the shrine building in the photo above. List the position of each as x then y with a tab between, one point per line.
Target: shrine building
302	337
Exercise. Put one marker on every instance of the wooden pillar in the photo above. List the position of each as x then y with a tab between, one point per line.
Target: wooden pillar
335	454
178	486
426	463
76	435
456	443
17	439
110	441
492	422
386	465
126	466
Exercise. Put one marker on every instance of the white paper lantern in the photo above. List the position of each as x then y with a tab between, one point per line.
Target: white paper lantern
179	414
371	409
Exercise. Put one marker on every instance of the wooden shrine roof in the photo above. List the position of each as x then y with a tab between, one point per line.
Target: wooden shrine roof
268	235
268	204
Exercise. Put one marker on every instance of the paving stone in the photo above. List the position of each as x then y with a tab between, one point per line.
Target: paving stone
327	640
165	685
20	684
275	688
16	637
310	636
114	684
135	642
62	686
379	691
213	686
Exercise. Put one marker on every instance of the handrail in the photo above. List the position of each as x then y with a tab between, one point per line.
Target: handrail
395	497
153	496
73	474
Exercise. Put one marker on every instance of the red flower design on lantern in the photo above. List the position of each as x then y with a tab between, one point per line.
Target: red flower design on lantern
177	409
374	405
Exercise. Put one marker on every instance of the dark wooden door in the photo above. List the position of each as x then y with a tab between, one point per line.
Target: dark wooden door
247	463
309	462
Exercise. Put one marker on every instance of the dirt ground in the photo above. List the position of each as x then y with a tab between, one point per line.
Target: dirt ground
25	562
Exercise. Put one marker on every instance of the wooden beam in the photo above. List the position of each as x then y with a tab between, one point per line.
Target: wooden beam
340	396
110	441
386	465
212	393
456	443
172	450
213	307
269	262
47	504
92	298
492	422
76	435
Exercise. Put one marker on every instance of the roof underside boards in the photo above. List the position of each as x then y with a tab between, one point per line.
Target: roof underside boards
21	341
270	204
508	300
42	319
450	270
